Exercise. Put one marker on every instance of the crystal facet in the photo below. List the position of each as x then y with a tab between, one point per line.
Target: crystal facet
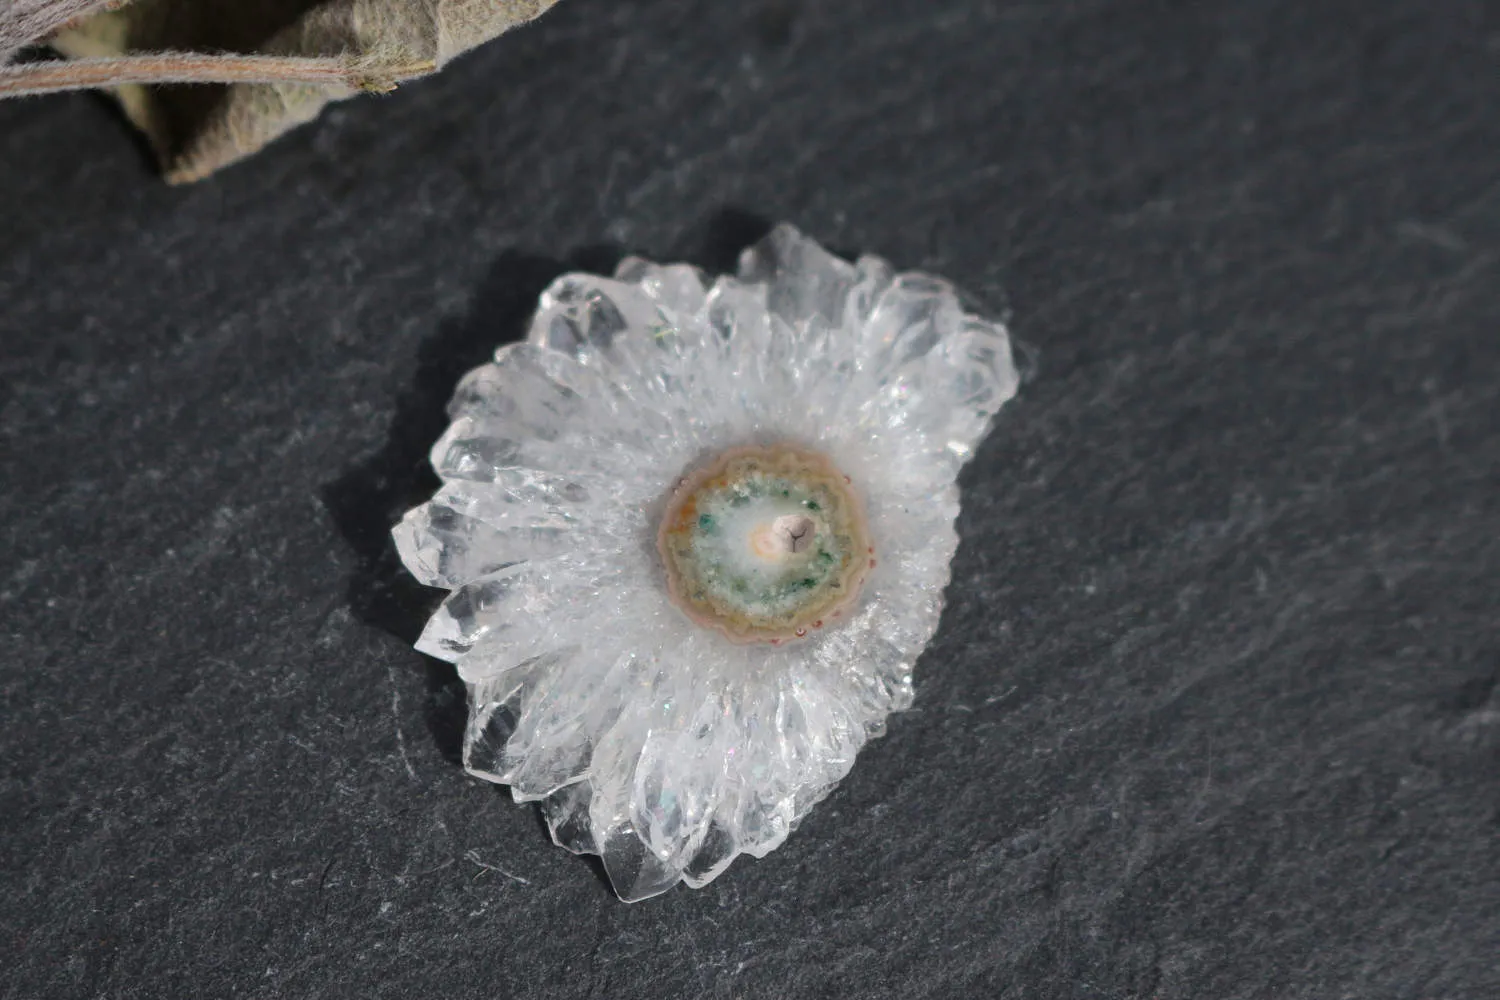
695	536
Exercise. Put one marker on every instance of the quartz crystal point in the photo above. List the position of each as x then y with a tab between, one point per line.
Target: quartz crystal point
695	534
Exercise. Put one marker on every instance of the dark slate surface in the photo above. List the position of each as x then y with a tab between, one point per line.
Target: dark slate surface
1213	710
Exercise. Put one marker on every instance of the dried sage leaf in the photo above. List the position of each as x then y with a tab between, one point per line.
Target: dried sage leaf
23	22
268	65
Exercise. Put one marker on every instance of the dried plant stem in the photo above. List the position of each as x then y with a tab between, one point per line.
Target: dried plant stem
177	67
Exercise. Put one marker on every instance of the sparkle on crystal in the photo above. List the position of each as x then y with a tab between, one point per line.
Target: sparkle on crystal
650	738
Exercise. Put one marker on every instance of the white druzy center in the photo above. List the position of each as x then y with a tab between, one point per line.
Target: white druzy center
778	540
762	539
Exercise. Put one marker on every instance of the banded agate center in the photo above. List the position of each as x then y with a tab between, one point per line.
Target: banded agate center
765	543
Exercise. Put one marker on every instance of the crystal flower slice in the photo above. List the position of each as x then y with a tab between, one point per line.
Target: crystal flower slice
694	536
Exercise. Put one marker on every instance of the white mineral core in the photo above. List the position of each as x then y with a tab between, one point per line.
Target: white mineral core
789	534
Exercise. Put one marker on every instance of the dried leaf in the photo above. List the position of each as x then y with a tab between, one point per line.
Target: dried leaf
23	22
275	63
